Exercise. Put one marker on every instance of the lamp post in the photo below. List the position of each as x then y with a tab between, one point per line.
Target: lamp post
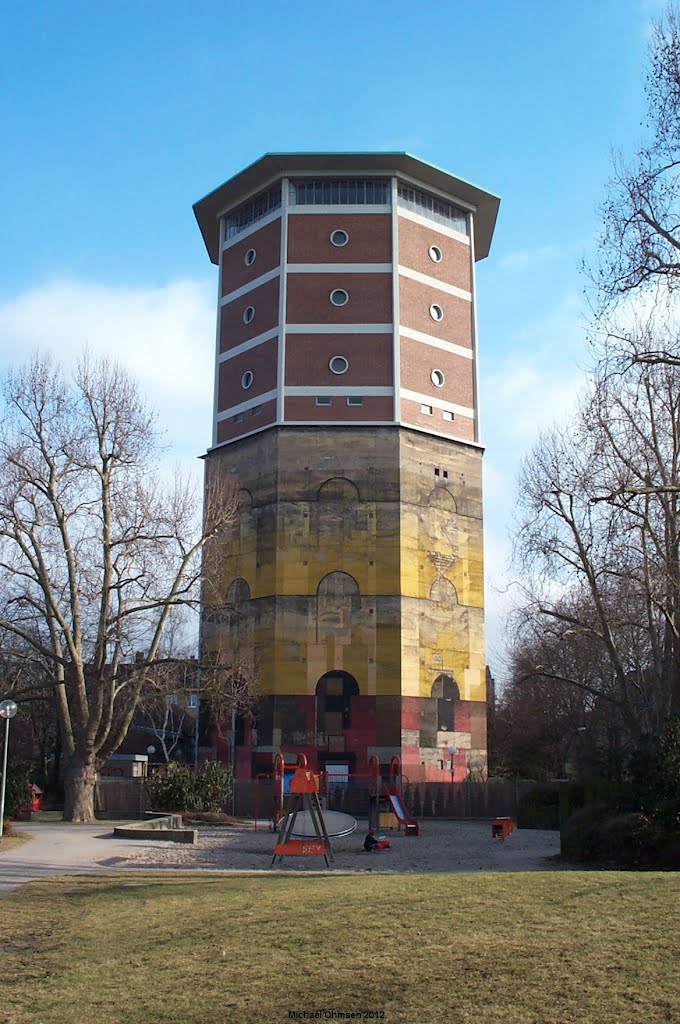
8	709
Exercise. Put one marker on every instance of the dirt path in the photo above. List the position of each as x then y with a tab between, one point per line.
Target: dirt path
442	846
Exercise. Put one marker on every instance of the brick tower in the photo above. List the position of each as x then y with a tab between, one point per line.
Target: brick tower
346	409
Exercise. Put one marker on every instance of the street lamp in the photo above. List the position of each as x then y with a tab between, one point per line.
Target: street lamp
8	709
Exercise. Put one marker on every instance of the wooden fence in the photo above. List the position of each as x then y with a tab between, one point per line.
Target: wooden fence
460	800
120	798
254	798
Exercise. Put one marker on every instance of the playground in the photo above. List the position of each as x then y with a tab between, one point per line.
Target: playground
442	847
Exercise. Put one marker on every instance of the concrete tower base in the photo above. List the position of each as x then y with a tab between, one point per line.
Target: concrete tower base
355	576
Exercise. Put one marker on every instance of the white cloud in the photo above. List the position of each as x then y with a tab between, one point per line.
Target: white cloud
534	385
164	336
537	381
522	259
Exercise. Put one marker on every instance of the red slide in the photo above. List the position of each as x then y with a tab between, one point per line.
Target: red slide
404	816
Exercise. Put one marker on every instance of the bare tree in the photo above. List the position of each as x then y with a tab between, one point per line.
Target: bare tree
97	552
606	572
164	702
640	237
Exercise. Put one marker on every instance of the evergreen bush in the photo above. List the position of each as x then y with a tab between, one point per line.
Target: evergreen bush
182	789
17	788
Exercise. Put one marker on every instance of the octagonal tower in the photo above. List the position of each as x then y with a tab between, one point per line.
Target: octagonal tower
346	409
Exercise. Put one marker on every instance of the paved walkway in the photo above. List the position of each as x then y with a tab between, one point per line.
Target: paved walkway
61	849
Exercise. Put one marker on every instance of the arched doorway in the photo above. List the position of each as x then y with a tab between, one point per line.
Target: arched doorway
334	692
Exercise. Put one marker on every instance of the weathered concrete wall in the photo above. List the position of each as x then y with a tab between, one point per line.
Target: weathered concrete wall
362	554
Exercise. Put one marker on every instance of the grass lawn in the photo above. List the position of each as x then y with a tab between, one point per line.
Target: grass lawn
537	948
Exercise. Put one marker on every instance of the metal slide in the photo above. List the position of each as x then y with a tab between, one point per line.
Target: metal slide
402	812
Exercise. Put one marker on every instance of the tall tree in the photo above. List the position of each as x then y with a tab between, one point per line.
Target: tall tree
600	520
599	536
639	244
97	552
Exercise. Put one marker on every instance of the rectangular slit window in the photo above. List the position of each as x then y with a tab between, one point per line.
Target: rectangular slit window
447	415
355	400
238	418
324	400
256	410
340	192
426	409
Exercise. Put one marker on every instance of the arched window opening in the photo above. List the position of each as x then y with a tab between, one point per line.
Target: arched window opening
334	692
446	693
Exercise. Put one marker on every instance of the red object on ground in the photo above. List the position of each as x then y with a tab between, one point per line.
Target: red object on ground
501	828
35	803
382	844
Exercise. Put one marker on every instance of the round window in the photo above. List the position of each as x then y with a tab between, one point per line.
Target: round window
339	237
247	379
338	364
436	312
249	257
339	297
248	314
437	378
435	253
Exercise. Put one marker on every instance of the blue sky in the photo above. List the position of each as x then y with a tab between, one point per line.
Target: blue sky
116	117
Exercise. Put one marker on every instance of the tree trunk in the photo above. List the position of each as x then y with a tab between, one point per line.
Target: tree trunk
79	788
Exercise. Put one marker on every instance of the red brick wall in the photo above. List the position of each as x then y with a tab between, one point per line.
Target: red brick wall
369	355
417	361
262	360
414	305
267	245
227	429
461	427
370	238
370	298
265	300
304	408
414	242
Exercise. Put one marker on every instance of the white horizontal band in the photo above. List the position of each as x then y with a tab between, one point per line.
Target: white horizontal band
339	328
339	268
433	224
247	345
336	389
337	423
441	286
428	339
244	289
255	226
234	410
437	403
440	433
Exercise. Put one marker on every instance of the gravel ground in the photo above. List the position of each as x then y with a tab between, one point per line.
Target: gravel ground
442	846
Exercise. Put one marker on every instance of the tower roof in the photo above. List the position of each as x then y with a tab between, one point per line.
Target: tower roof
272	166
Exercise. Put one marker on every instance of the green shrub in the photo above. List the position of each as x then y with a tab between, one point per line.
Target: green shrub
181	789
215	785
175	790
580	834
669	855
667	803
630	840
600	835
539	808
17	788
